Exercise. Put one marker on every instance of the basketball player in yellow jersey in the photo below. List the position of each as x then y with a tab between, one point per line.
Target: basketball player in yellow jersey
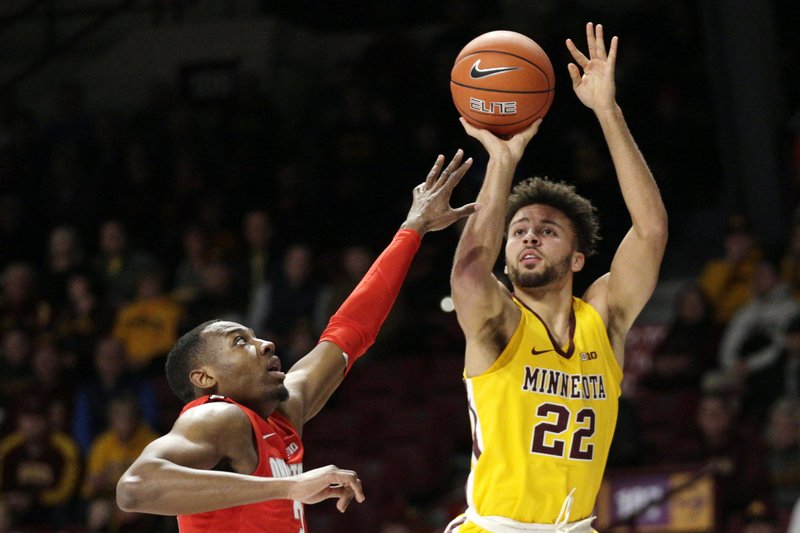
543	368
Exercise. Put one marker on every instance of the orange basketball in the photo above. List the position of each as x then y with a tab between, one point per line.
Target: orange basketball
502	81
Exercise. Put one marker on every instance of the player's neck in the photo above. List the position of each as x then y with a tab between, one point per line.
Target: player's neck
553	304
264	407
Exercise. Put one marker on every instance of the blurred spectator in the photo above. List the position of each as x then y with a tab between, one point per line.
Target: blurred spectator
64	259
148	326
15	365
296	293
110	379
40	469
50	383
20	305
782	438
117	267
689	346
735	456
217	298
255	270
110	455
790	262
727	281
299	340
189	272
759	517
789	371
782	376
81	322
753	338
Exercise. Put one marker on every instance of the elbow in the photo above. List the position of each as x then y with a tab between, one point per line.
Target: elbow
127	495
657	230
132	490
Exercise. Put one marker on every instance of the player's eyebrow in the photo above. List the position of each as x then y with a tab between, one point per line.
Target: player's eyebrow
543	221
238	330
552	222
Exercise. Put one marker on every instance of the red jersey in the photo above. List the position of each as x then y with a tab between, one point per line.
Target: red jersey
280	454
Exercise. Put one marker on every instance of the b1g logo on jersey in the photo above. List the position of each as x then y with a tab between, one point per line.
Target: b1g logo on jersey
588	356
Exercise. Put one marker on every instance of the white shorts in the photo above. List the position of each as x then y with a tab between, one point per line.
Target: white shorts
501	524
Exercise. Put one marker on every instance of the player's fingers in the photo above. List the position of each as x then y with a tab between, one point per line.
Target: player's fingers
430	179
590	41
348	478
527	134
599	43
345	497
467	210
471	130
455	177
576	54
451	167
574	74
612	52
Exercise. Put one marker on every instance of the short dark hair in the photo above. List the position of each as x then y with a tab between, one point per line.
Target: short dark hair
182	359
562	196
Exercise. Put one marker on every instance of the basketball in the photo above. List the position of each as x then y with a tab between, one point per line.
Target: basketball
502	81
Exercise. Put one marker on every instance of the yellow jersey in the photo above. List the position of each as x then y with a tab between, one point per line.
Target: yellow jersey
542	419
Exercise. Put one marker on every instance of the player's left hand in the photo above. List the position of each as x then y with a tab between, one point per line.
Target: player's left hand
430	209
596	87
327	482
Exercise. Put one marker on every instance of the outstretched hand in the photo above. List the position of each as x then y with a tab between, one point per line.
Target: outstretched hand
327	482
430	209
596	87
512	147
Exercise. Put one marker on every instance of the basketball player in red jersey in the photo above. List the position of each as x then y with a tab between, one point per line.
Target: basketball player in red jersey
233	460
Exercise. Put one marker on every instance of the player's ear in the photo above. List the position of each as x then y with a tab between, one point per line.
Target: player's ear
578	260
202	378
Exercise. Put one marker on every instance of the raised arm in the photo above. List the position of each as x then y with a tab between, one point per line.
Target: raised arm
172	475
623	292
479	298
353	328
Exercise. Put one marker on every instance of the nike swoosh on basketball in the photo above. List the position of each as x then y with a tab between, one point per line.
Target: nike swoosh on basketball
534	351
477	72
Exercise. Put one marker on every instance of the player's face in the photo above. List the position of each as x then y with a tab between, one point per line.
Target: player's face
540	248
244	366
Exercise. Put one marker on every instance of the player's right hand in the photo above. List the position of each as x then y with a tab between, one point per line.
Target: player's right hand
327	482
495	146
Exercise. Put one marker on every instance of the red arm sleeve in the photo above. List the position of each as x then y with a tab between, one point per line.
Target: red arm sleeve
355	325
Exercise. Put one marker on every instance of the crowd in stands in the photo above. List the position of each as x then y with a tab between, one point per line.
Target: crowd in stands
120	230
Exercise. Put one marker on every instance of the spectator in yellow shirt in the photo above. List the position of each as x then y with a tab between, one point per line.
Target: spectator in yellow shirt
148	326
111	454
727	281
39	469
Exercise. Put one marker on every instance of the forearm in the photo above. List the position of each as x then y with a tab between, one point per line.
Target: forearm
638	187
765	357
165	488
731	342
482	237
